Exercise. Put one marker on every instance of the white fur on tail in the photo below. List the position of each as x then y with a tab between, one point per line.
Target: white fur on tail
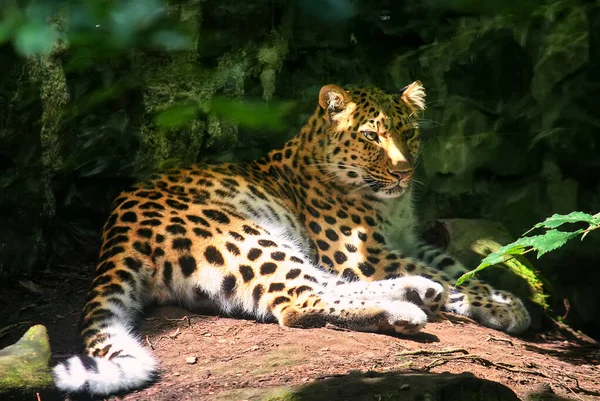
132	368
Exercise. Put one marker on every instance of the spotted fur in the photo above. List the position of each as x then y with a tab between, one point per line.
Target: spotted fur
320	231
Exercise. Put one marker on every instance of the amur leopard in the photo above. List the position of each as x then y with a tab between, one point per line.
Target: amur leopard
320	231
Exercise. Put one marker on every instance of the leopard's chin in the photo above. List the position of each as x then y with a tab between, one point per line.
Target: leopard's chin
391	191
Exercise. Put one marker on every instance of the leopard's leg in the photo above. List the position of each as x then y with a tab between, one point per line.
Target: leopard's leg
360	306
428	295
113	358
271	277
493	308
423	263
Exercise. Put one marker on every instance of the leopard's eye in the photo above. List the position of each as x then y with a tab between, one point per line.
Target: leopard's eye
371	136
408	134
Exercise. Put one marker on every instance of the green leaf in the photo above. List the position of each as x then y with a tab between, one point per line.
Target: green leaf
551	240
543	243
177	115
251	114
557	220
34	38
505	252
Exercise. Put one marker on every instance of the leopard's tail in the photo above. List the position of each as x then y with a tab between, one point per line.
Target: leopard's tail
114	359
130	366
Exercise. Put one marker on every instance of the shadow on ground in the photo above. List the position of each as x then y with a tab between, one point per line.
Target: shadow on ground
357	386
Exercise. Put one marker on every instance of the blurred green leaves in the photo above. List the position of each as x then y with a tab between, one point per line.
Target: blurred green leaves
170	40
37	27
126	18
176	116
246	114
34	38
28	28
251	115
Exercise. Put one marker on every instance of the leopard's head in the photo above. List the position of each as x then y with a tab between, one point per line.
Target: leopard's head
372	137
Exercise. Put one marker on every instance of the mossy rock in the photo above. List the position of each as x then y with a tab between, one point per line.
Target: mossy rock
24	366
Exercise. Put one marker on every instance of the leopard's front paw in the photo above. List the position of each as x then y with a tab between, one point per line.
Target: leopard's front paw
406	317
399	317
420	291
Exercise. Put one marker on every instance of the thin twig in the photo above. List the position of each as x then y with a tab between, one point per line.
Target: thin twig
484	362
433	352
336	328
567	308
500	365
506	340
571	390
149	343
577	386
5	330
171	336
238	354
231	331
185	318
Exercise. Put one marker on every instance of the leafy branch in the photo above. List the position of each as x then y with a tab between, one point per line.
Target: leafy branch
543	243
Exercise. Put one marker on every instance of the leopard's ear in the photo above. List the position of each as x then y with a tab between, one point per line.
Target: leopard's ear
333	98
414	95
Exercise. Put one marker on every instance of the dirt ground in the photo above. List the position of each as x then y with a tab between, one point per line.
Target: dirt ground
221	358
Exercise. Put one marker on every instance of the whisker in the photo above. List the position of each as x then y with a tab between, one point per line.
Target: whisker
427	104
359	188
428	120
418	183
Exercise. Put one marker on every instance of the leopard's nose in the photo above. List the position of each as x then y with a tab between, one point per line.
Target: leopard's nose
402	175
